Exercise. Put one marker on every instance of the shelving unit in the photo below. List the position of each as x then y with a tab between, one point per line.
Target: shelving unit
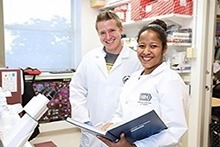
132	27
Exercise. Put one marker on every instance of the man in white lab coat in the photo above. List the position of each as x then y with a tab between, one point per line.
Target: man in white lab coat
97	82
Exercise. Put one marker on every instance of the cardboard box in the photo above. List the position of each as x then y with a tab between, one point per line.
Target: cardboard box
97	3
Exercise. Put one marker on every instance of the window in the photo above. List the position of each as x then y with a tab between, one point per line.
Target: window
41	34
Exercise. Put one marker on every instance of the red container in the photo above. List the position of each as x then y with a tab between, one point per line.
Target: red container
149	8
121	11
175	6
137	9
152	8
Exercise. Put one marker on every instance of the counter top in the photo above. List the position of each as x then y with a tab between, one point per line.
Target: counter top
49	75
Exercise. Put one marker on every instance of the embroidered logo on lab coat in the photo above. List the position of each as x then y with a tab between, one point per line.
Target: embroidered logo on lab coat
125	78
145	99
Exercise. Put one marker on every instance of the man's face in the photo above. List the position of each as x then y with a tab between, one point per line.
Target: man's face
110	35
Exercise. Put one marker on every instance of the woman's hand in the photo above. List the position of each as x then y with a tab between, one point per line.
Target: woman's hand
121	143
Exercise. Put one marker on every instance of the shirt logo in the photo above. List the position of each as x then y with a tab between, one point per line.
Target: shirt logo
145	99
125	78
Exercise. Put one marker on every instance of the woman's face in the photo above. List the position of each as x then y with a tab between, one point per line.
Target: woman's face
150	51
110	35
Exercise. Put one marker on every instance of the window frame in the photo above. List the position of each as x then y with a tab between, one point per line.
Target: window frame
76	35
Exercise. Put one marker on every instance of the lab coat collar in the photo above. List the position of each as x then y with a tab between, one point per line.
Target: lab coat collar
125	53
100	60
100	53
163	66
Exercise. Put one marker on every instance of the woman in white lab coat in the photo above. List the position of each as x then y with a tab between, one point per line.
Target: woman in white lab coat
97	82
166	92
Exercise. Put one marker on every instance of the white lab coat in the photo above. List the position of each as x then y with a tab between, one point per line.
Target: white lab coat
167	95
94	93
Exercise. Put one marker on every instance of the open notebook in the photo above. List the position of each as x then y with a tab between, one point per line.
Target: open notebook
136	129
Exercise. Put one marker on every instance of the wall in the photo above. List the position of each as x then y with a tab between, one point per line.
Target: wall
89	36
218	9
2	59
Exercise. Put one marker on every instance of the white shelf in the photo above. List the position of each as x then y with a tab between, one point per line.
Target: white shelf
174	18
114	4
179	44
183	71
